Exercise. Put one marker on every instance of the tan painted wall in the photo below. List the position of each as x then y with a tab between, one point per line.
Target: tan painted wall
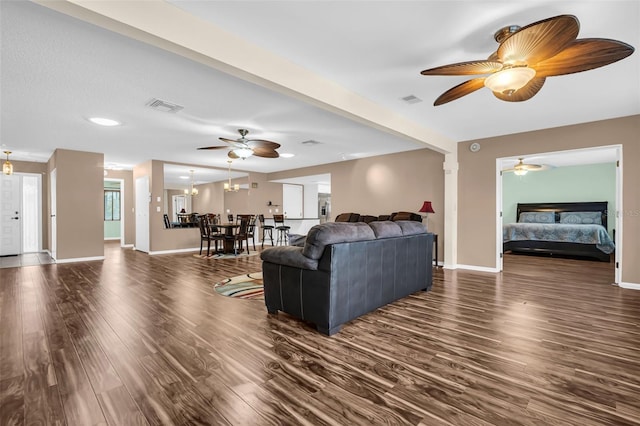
213	199
80	201
265	192
162	239
477	184
385	184
128	203
38	168
375	185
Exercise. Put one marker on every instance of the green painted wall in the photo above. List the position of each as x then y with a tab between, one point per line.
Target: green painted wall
111	229
592	182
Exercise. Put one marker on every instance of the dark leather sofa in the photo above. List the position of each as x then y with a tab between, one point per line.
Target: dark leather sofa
346	269
395	216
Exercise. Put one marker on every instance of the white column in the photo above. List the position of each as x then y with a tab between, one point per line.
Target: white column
450	167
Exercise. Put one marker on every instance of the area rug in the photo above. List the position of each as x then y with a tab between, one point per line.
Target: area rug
225	255
247	286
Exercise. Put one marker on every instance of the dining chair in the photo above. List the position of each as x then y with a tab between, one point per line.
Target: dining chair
266	229
240	216
283	230
241	235
217	234
230	218
207	235
251	230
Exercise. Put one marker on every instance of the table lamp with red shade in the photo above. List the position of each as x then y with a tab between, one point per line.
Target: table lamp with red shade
426	208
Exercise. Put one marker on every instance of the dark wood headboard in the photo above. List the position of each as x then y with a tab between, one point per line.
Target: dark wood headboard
588	206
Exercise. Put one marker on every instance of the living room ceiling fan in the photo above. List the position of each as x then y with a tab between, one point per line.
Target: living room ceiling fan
521	169
245	148
526	56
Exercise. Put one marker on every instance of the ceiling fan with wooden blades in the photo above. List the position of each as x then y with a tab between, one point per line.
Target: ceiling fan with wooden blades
526	56
245	148
521	169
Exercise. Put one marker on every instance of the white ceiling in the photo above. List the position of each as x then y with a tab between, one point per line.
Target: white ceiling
566	158
57	71
178	176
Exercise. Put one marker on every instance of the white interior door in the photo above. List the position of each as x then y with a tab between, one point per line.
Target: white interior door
292	200
31	212
10	215
143	198
179	203
54	220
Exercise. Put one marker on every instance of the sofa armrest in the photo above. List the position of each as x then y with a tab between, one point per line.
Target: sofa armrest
289	256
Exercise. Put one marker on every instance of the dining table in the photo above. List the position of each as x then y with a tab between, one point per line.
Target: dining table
229	230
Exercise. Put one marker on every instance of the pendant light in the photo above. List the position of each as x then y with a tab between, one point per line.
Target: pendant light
7	167
193	191
227	185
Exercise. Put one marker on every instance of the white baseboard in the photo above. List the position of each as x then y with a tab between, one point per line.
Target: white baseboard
153	253
112	238
630	286
79	259
477	268
126	245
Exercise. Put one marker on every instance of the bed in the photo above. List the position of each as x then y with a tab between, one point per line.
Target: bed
572	229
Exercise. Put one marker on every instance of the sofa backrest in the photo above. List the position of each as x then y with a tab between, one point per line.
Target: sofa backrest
405	216
345	232
347	217
335	232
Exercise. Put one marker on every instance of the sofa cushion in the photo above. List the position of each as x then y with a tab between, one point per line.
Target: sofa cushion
411	227
335	232
386	229
406	216
290	256
347	217
297	240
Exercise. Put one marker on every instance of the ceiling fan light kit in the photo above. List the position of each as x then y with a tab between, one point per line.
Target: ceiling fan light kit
243	152
526	56
509	80
520	172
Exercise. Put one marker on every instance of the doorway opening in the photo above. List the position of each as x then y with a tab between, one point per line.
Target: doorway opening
572	176
113	210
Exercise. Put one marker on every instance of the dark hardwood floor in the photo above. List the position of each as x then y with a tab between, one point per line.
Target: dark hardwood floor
139	339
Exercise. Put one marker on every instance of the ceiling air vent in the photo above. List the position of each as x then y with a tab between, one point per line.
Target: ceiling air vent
160	105
411	99
310	142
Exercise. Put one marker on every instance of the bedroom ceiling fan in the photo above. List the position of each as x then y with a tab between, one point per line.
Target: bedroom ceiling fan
522	169
528	55
245	148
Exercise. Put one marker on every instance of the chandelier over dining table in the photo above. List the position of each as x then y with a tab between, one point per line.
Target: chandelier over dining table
192	191
228	187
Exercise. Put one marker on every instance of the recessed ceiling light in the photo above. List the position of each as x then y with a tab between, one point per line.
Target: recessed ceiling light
287	155
104	121
184	177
